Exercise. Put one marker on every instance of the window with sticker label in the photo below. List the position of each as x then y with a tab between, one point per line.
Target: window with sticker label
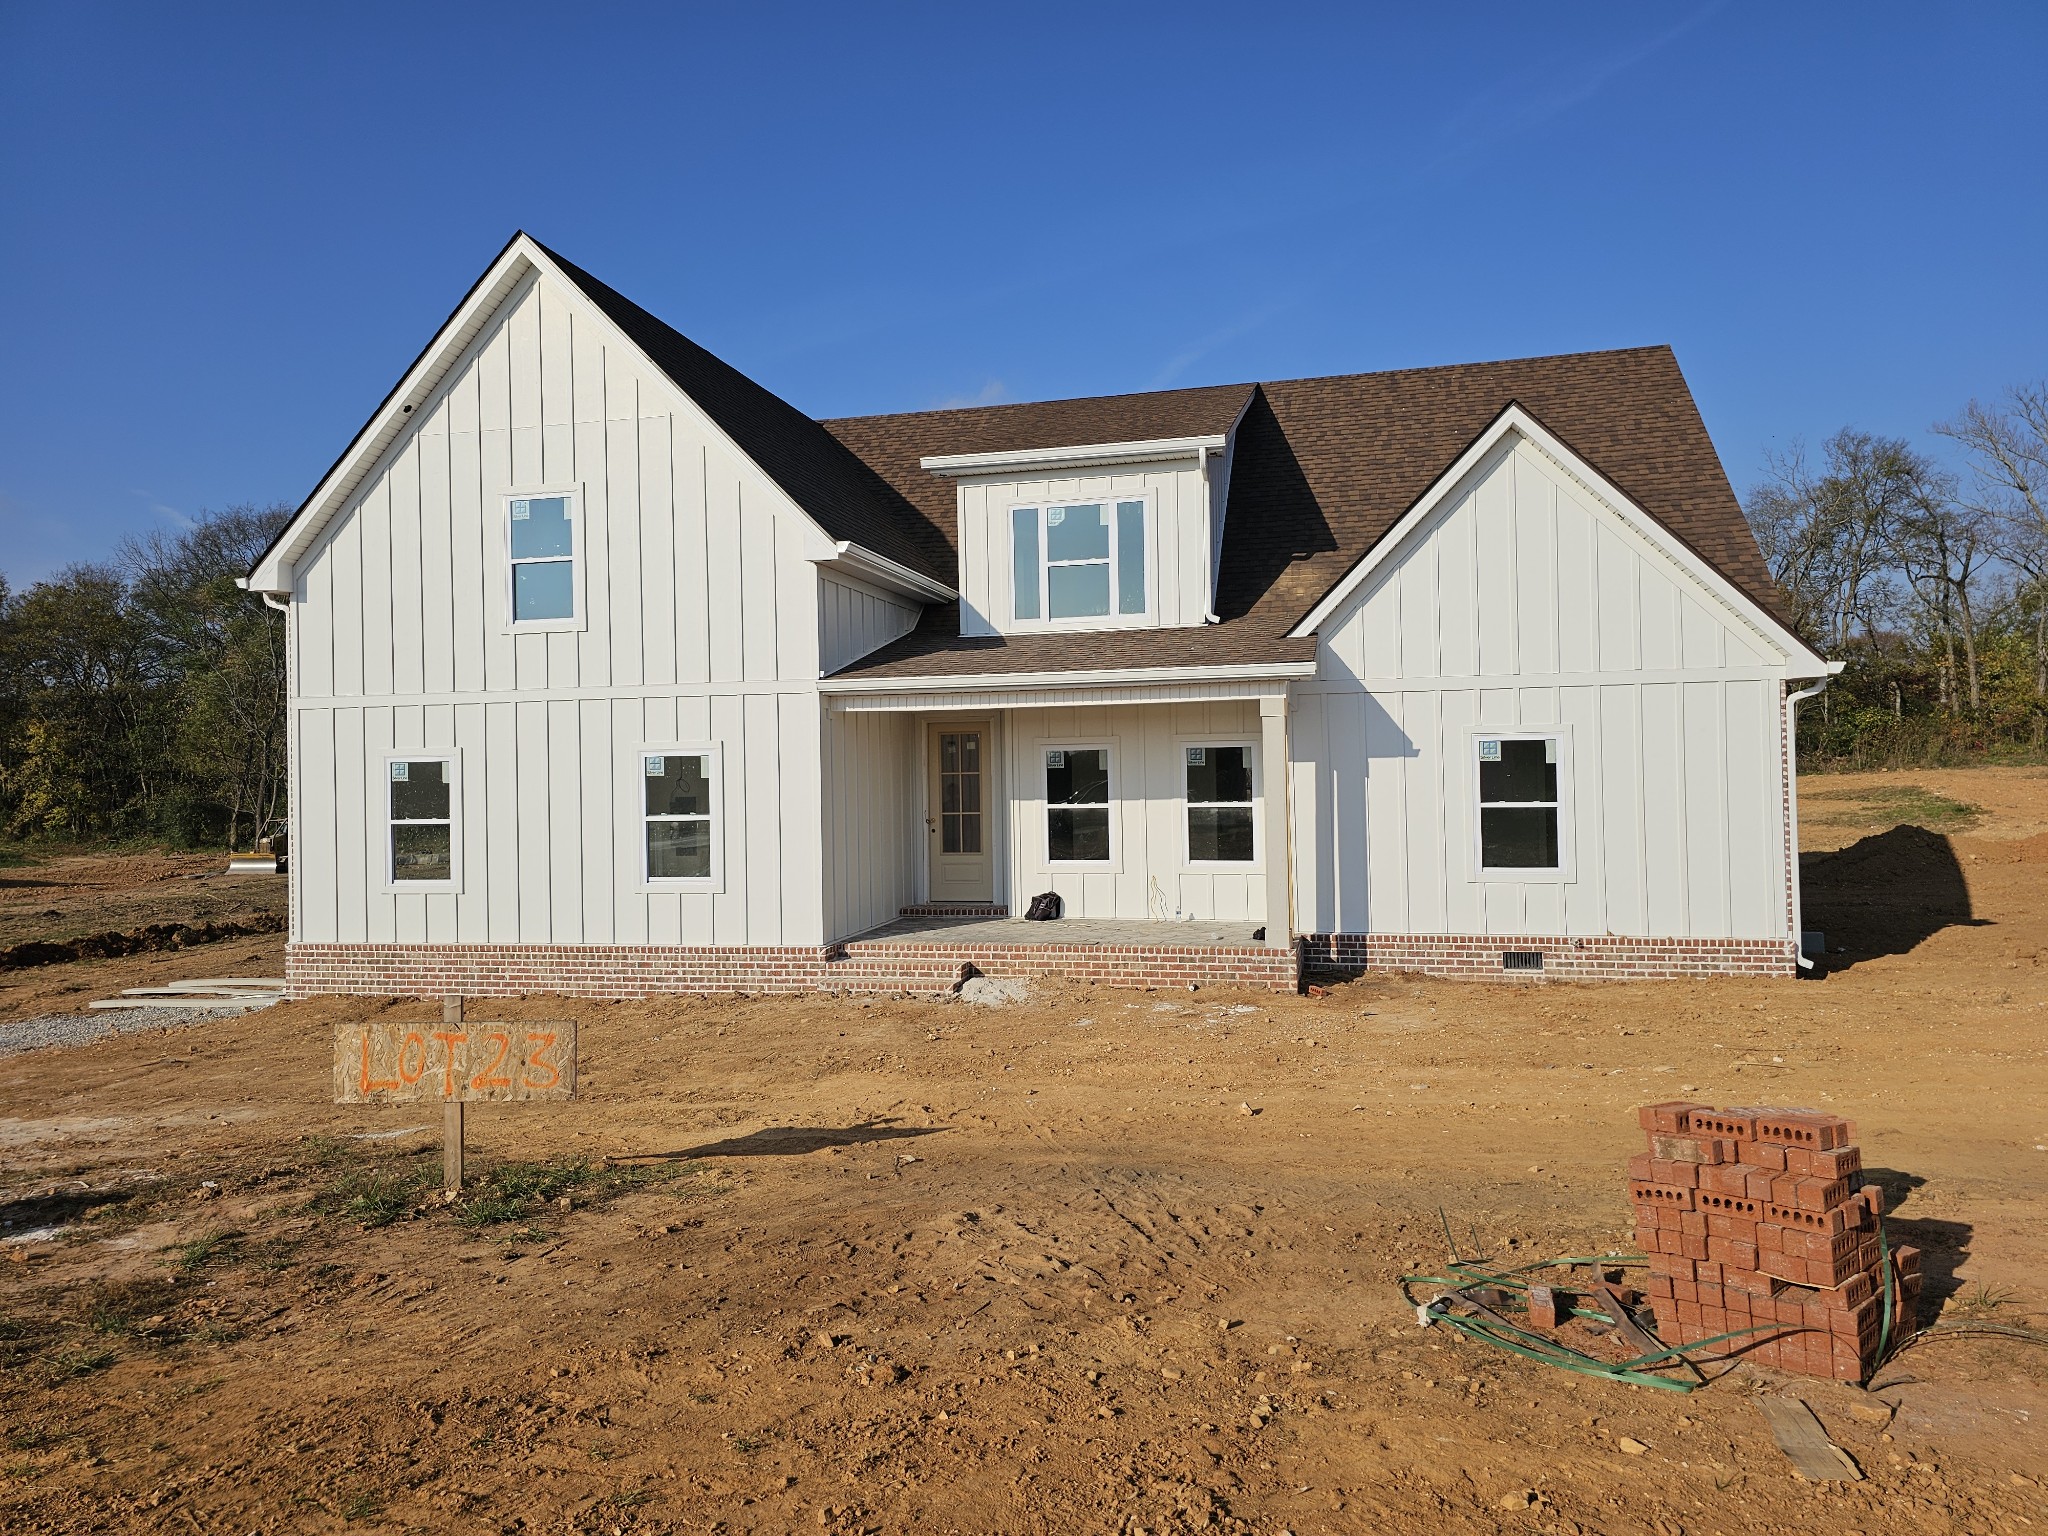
420	831
1078	560
541	545
679	814
1077	805
1219	804
1518	802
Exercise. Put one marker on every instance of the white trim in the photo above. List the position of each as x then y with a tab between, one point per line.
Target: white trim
1049	698
579	610
1799	658
1107	745
1253	750
521	258
1563	873
708	885
1082	623
1097	677
850	559
451	758
1080	456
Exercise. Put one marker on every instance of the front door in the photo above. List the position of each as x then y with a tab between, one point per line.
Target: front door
962	868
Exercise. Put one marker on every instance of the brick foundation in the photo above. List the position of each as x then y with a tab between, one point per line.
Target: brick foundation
1478	956
622	971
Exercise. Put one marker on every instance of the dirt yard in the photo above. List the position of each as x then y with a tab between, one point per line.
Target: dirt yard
1101	1261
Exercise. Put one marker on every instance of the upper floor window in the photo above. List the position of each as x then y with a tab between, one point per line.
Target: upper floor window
1078	560
541	545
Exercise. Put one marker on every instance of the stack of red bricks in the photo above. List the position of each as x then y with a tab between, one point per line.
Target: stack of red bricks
1752	1221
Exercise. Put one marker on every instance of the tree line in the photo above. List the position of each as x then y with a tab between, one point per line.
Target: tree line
144	697
1930	585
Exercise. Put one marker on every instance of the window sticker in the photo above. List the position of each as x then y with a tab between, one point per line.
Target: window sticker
1054	516
1489	751
1057	758
656	767
1198	757
521	511
1550	751
401	773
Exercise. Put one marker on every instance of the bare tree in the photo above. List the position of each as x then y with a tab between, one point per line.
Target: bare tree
2007	444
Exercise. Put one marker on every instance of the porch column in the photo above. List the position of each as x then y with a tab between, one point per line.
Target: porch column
1279	860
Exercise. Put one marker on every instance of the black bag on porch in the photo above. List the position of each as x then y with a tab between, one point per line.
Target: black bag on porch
1044	908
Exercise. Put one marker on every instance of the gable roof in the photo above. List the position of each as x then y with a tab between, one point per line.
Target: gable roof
847	500
844	495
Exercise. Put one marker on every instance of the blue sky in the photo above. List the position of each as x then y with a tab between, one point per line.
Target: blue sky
225	230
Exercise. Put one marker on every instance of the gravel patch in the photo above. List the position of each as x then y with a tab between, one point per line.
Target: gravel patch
55	1029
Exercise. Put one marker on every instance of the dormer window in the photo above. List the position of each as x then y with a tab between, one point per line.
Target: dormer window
1079	560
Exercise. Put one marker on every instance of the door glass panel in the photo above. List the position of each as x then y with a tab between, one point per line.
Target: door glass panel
959	791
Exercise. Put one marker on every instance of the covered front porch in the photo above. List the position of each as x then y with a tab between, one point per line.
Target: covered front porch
1157	814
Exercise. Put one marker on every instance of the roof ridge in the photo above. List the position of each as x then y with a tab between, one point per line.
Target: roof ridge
1311	378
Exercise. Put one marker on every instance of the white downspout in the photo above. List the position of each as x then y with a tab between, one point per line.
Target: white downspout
1792	703
1208	541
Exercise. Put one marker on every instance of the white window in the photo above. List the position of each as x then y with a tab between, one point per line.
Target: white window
679	816
1221	826
422	819
540	547
1077	829
1520	823
1078	560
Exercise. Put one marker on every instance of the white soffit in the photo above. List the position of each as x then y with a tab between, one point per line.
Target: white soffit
1081	456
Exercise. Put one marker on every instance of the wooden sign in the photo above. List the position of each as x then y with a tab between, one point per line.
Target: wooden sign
454	1062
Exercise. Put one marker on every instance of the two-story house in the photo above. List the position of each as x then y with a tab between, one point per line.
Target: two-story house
613	673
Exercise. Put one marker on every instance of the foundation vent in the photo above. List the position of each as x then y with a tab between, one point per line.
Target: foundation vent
1522	960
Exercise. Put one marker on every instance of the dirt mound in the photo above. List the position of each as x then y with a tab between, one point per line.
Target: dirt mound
136	941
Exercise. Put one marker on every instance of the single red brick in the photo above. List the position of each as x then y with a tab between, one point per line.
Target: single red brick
1766	1155
1692	1223
1872	1198
1757	1184
1730	1179
1706	1273
1722	1122
1817	1194
1720	1224
1543	1307
1674	1175
1907	1259
1639	1168
1837	1163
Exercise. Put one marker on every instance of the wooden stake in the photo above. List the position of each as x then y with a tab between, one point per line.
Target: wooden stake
451	1116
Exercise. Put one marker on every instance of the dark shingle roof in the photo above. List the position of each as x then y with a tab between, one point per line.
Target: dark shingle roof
1324	468
848	499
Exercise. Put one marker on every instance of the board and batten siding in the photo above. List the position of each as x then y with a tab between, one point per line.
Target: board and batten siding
1526	604
855	619
1149	875
1176	553
874	833
701	623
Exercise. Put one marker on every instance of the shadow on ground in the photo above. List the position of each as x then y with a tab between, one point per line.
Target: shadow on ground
795	1140
1885	894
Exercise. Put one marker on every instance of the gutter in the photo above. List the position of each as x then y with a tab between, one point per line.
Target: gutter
990	682
854	560
1792	703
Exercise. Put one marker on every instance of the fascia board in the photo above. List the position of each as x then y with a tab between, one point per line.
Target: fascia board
856	560
986	682
273	569
1514	420
1080	456
522	256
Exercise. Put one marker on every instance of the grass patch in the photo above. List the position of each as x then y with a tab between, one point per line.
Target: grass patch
1894	806
217	1247
69	1364
631	1498
114	1307
514	1191
380	1194
361	1506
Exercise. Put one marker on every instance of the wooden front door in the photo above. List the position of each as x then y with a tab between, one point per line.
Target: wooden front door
959	828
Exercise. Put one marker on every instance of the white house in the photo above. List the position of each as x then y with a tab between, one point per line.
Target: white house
613	673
